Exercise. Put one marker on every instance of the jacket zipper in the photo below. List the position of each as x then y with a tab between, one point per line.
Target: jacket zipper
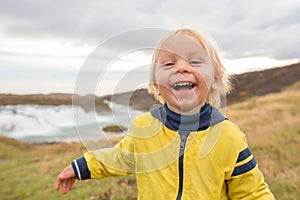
183	137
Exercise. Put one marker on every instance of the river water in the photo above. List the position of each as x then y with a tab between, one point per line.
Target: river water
39	124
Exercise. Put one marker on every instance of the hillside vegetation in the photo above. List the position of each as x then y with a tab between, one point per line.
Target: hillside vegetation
245	85
264	82
271	123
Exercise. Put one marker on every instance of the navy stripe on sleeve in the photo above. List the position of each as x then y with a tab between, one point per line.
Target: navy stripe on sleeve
243	155
244	168
81	169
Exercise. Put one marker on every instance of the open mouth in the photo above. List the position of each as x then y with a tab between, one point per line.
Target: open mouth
183	85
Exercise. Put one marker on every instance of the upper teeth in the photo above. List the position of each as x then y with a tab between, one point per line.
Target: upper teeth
183	84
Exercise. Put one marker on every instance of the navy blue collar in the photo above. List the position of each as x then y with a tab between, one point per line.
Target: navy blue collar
208	116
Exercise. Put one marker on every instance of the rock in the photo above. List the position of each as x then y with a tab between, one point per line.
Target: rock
114	128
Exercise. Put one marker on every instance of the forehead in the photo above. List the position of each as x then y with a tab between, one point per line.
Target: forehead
182	45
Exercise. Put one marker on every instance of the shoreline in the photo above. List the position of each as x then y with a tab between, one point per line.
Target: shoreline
245	85
111	138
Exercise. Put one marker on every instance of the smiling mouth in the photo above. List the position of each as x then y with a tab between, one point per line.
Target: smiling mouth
183	85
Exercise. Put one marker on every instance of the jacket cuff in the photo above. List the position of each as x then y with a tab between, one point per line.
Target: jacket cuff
81	169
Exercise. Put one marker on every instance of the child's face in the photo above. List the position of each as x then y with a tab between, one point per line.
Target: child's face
184	74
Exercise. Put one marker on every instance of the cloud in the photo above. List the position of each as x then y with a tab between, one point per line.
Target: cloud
90	19
58	37
242	28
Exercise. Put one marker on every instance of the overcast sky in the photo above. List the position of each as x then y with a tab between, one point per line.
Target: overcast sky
44	44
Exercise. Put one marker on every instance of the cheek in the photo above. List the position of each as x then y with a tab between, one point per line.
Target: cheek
205	77
161	77
163	91
162	88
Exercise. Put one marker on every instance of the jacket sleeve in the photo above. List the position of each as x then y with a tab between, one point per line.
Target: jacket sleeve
246	181
115	161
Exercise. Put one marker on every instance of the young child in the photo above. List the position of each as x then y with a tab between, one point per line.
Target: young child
185	149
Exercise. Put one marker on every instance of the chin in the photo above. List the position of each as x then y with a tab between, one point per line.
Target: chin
190	107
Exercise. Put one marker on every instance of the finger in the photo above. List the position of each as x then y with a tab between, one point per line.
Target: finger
70	186
57	187
72	183
58	182
65	187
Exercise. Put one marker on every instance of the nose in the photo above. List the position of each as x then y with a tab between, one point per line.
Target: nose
182	66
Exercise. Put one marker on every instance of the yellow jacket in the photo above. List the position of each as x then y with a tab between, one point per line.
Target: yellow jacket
188	160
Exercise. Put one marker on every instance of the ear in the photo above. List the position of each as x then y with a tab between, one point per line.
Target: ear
157	88
216	82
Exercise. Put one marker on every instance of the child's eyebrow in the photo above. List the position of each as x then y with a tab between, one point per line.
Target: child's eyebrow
166	52
166	55
200	55
197	53
164	59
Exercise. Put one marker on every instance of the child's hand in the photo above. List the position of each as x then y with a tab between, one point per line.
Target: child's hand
66	180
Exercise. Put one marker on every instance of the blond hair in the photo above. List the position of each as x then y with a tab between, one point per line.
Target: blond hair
210	48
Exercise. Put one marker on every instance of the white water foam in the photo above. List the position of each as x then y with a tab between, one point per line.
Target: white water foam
36	123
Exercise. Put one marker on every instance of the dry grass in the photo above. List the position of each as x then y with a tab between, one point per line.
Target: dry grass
271	124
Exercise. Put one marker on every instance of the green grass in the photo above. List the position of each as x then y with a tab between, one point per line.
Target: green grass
271	124
30	171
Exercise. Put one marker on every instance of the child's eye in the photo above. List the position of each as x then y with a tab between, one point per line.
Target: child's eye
168	64
195	62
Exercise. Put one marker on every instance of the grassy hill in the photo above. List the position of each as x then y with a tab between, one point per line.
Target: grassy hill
264	82
245	85
271	123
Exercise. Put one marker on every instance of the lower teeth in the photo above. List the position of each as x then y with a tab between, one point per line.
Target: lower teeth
180	87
